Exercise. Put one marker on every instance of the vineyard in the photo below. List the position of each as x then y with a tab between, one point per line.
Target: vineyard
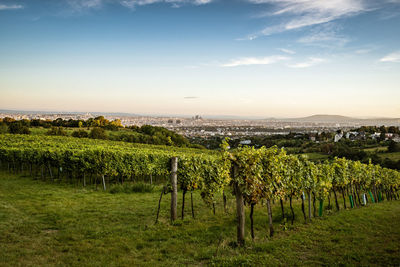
255	176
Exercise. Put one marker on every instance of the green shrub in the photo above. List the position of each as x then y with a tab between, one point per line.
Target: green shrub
393	146
3	128
80	134
98	133
17	128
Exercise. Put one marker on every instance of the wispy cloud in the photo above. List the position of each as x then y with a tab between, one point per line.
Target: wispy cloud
287	51
303	13
309	63
202	2
325	35
363	51
393	57
10	7
131	4
191	97
80	5
246	61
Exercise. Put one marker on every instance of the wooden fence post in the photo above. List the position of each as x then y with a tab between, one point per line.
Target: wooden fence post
174	193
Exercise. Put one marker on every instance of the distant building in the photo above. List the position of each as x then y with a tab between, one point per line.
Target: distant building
338	136
351	135
245	142
389	135
375	135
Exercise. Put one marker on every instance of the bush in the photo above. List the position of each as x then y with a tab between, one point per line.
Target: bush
393	146
57	131
18	128
3	128
98	133
80	134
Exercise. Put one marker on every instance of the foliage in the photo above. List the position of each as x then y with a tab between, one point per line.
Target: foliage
3	128
393	147
98	133
265	173
80	134
18	128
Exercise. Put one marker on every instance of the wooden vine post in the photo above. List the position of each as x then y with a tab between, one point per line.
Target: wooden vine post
104	182
239	208
174	192
309	205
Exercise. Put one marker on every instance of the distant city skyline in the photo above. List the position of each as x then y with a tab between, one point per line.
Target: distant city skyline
14	112
248	58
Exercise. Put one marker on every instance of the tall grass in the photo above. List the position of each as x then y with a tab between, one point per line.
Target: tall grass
138	187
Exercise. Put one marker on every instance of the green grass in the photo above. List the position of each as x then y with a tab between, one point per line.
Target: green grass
393	156
380	149
46	224
315	156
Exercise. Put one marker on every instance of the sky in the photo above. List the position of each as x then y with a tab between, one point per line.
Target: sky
254	58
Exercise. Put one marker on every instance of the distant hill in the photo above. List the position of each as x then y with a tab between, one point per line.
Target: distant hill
324	118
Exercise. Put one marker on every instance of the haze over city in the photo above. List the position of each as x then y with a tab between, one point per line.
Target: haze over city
262	58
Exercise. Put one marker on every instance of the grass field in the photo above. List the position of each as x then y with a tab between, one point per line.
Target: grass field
379	149
393	156
45	224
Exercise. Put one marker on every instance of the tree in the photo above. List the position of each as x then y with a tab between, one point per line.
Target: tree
98	133
383	131
8	120
393	146
17	128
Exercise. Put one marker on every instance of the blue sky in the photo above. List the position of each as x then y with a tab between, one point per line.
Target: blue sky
261	58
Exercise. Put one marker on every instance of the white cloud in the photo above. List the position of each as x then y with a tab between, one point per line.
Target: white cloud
132	4
363	51
287	51
324	35
305	13
393	57
10	7
85	4
202	2
309	63
246	61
